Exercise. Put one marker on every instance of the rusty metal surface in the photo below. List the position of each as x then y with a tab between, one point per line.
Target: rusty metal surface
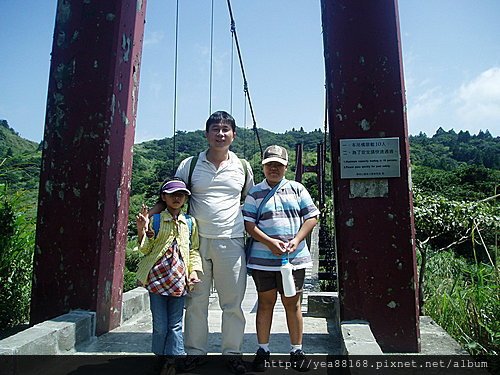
87	159
374	229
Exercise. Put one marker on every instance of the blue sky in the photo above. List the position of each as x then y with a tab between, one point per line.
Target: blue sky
451	58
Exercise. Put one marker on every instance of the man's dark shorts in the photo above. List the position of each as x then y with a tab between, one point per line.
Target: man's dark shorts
269	280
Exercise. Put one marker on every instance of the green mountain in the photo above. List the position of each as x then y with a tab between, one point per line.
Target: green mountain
154	160
11	143
448	163
20	160
447	150
458	166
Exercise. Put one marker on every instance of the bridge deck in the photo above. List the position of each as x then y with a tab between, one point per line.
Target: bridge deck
321	335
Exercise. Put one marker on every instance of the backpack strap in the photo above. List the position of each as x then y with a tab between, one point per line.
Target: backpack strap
156	223
194	160
189	220
192	164
157	220
267	197
245	169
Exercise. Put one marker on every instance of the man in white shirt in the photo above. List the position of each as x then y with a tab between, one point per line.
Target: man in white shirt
217	184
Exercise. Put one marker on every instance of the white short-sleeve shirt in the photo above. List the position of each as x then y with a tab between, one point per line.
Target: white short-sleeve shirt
215	199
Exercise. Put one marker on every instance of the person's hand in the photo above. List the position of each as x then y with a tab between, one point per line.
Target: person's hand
278	247
142	220
193	279
292	246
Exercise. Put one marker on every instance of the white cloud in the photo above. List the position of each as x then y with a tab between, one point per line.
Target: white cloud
154	37
473	106
425	110
479	101
155	88
426	104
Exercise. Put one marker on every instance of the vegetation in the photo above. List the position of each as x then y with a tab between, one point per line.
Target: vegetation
447	150
455	176
456	179
17	241
459	275
19	170
463	298
19	160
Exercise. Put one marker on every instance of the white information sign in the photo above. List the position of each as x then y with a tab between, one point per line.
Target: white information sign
369	158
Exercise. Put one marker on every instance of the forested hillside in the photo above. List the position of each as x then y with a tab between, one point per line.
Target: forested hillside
19	160
11	143
456	165
154	160
450	163
447	150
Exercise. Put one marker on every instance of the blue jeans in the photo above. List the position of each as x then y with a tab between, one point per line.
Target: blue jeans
167	324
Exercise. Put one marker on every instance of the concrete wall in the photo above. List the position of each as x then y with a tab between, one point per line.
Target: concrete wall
62	335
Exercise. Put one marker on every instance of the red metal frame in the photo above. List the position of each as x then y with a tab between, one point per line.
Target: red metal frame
374	232
87	160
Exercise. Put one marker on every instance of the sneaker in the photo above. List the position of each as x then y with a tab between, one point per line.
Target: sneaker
236	365
190	362
168	369
259	362
299	361
156	365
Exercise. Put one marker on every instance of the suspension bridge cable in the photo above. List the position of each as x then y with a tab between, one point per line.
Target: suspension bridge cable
211	59
231	75
175	84
245	82
245	125
325	131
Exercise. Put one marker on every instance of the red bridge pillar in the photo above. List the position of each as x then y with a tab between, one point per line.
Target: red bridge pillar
370	158
87	159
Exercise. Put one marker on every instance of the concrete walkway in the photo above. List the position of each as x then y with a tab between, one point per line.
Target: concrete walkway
321	335
118	350
134	337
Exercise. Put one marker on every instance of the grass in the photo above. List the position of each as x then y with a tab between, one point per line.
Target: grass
463	298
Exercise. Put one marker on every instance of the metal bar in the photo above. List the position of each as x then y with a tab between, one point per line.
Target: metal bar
299	167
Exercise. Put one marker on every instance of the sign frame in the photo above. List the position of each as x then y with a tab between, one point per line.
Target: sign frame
370	158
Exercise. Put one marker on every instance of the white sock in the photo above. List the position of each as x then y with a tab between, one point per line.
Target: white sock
265	347
294	348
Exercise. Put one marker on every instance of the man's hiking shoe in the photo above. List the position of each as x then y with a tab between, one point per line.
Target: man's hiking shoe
156	365
259	362
190	362
168	369
299	361
236	365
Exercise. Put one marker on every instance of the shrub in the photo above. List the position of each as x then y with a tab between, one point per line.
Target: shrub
17	240
132	258
463	298
467	227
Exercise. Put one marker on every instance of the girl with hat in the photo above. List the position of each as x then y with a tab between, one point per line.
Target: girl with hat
169	268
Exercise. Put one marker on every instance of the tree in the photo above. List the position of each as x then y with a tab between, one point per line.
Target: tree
17	240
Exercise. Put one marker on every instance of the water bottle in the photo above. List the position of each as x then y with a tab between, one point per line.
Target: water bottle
287	278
